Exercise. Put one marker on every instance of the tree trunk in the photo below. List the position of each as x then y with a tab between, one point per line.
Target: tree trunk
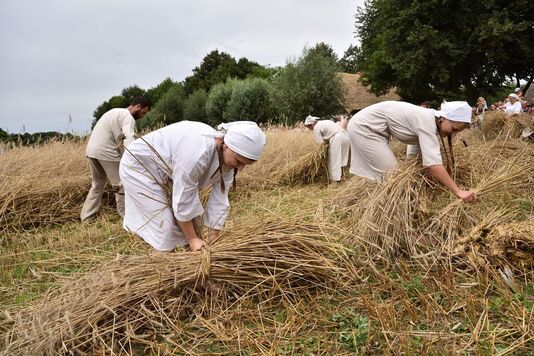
525	88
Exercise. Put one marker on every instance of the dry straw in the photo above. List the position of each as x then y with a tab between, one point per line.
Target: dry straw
136	298
309	168
42	185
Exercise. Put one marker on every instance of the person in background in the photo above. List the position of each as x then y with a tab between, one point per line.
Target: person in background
370	129
531	107
513	106
339	144
480	109
112	132
163	172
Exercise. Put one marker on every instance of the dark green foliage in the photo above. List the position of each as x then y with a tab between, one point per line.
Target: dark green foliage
217	67
195	106
154	94
27	139
167	110
349	62
218	99
250	100
309	86
132	92
444	49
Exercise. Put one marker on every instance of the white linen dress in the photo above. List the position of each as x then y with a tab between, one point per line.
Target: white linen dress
339	146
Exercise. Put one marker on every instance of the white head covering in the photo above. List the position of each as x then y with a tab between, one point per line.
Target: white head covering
244	138
513	95
459	111
310	120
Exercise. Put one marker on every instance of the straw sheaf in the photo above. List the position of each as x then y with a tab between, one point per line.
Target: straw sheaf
136	298
496	124
309	168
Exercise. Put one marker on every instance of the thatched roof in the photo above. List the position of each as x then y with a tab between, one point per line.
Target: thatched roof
357	96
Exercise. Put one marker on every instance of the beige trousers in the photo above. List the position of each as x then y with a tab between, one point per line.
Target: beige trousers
101	171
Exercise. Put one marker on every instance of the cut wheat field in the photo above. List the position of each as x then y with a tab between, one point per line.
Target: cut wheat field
302	267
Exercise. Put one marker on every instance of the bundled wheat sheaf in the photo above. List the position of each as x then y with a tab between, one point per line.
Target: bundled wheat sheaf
139	297
308	168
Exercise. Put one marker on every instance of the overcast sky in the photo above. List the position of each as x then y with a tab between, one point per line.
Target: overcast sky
65	57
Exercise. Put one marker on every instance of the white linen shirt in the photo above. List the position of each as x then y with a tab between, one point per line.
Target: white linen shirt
512	109
325	130
409	123
114	127
187	155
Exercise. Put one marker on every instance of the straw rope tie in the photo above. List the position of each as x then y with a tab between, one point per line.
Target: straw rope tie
204	266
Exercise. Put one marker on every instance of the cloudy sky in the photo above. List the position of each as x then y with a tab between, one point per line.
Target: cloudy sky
65	57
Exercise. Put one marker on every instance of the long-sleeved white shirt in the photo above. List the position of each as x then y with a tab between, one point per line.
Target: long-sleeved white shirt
325	130
512	108
114	127
186	153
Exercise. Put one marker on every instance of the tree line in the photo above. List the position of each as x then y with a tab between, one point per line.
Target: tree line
222	88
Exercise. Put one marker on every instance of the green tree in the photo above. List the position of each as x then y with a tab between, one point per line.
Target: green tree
132	92
155	93
167	110
215	68
250	101
195	106
218	98
349	62
309	85
438	49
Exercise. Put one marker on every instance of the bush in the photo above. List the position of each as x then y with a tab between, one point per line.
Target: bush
218	98
308	86
250	100
195	107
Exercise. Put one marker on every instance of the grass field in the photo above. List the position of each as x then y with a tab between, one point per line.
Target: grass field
406	268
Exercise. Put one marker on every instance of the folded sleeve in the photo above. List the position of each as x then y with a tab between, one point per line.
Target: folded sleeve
185	193
218	204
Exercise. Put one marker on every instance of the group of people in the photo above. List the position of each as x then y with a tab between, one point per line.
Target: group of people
369	131
514	104
157	178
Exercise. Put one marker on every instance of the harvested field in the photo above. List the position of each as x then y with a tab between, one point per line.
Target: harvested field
360	267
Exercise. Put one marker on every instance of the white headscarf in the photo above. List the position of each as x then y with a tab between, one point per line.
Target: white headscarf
459	111
244	138
310	120
513	95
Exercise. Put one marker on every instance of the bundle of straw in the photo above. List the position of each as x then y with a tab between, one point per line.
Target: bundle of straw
137	298
309	168
386	220
497	124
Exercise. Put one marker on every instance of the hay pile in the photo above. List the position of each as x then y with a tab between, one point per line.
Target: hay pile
496	124
408	215
495	242
43	185
309	168
138	298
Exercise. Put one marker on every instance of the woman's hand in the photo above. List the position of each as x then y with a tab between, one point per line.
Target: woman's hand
467	196
196	244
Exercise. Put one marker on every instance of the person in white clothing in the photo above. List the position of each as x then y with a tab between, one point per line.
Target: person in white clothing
113	131
513	106
163	171
339	144
370	129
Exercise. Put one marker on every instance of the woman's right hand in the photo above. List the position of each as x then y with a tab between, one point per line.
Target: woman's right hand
467	196
196	244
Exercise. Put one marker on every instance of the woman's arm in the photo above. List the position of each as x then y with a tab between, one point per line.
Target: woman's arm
440	173
188	228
